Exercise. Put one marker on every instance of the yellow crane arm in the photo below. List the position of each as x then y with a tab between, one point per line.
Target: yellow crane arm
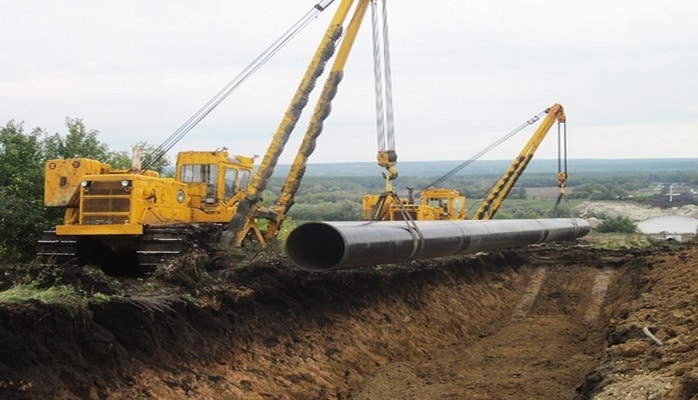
322	111
243	219
501	189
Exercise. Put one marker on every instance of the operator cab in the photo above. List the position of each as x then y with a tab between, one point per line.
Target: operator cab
443	204
213	178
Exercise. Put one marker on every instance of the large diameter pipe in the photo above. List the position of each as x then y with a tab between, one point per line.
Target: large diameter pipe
323	246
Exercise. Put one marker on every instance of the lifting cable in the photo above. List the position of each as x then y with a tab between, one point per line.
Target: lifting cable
562	148
487	149
562	168
385	121
383	81
382	206
387	157
218	98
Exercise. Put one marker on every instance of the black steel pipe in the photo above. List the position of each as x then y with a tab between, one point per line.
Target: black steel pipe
323	246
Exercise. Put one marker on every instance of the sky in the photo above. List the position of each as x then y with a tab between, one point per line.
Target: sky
464	74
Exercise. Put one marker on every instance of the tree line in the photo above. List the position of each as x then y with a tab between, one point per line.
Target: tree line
339	198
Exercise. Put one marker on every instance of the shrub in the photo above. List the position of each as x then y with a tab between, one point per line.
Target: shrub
618	224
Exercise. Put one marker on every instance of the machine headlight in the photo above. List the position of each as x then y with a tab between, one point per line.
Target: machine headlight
181	196
125	183
85	184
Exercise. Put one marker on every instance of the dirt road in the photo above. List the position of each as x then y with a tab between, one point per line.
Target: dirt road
547	322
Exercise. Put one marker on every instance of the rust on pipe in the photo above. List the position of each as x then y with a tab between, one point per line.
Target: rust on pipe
324	246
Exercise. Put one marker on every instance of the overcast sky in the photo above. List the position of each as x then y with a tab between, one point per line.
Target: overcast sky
464	74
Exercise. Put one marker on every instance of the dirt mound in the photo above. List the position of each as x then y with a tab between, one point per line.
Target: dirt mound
652	344
635	211
546	322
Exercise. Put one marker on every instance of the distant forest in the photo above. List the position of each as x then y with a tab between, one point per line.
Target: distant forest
489	167
333	191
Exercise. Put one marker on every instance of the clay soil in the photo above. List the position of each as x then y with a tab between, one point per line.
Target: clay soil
548	322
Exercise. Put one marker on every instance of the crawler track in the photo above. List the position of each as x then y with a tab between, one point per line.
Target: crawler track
125	254
57	250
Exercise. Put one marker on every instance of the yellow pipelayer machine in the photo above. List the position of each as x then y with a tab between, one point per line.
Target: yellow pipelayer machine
126	217
448	204
118	217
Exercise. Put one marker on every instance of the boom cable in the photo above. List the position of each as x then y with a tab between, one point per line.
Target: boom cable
486	150
233	84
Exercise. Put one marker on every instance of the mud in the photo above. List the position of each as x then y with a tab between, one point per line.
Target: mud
546	322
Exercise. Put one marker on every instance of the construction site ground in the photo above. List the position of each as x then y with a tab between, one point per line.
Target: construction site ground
564	321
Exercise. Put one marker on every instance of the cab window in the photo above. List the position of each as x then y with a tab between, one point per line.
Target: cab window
231	176
458	205
244	179
193	173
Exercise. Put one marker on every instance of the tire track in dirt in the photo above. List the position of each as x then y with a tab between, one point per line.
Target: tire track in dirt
529	297
598	293
545	350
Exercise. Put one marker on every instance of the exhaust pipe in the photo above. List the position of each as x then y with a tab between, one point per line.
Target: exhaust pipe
324	246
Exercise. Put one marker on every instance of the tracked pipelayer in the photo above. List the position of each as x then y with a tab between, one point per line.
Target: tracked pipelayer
117	218
114	215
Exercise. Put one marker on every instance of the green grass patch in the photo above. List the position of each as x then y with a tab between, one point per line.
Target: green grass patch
529	208
99	298
62	295
614	241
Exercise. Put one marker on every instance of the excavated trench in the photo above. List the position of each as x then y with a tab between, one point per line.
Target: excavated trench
531	323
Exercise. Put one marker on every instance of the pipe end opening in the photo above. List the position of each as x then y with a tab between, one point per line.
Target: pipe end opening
315	247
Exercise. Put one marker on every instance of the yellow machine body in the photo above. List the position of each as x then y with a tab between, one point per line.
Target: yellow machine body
434	205
102	201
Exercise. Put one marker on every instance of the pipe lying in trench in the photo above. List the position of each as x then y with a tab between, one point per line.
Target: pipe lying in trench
323	246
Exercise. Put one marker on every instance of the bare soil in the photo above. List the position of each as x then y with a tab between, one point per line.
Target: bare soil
634	211
553	322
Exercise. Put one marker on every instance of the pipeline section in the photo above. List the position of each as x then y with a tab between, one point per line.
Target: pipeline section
324	246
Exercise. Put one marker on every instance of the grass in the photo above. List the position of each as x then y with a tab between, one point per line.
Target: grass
73	289
62	295
614	241
529	208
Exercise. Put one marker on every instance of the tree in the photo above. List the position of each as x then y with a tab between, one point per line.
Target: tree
593	191
22	215
79	142
21	160
83	142
22	220
123	159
